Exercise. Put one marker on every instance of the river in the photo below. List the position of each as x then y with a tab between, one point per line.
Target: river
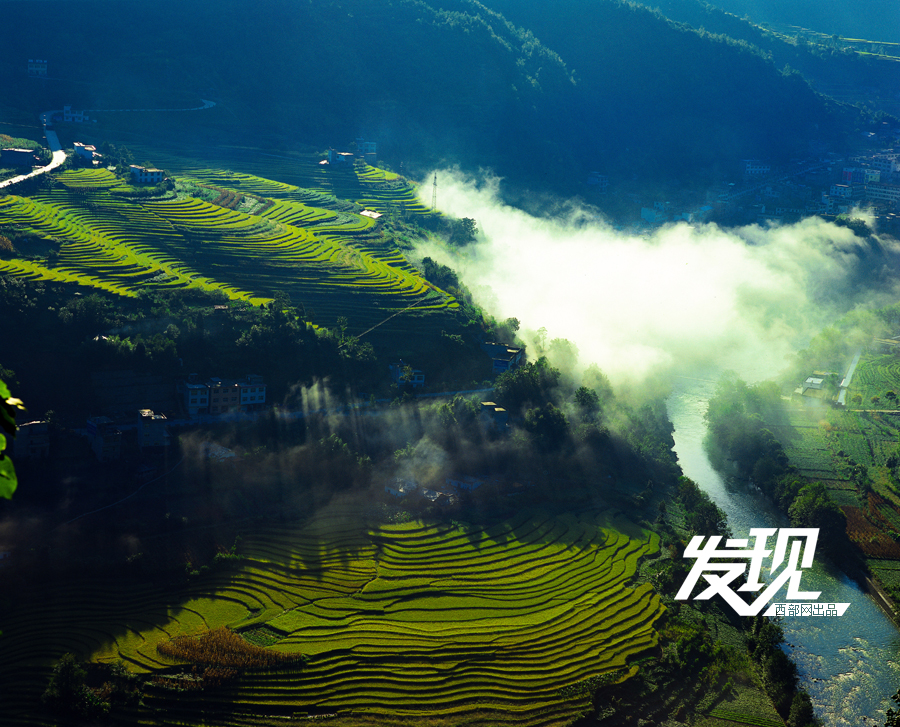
849	665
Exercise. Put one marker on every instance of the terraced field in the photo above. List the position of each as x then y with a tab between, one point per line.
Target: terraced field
414	620
303	242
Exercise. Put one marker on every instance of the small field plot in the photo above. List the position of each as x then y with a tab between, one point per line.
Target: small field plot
748	706
806	439
468	624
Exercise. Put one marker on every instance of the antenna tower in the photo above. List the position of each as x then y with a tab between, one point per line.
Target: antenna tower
434	193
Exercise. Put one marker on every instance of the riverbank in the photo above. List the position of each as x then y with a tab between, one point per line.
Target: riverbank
848	665
873	589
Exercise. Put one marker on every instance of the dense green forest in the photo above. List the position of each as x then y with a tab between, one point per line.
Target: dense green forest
540	97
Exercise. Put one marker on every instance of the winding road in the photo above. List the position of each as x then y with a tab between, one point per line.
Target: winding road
59	155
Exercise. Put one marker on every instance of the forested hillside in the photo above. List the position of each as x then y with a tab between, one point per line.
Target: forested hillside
540	97
671	101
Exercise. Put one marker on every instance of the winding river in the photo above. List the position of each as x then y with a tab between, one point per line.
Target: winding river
849	665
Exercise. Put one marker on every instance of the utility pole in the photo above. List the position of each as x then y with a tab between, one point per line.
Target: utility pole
434	193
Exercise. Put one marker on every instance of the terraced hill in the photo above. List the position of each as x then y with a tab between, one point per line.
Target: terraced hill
413	620
304	242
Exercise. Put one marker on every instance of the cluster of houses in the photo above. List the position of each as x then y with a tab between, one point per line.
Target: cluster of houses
32	439
874	178
139	174
214	396
367	150
825	185
105	435
831	186
504	357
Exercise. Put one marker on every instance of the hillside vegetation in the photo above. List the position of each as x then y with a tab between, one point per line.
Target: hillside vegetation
540	97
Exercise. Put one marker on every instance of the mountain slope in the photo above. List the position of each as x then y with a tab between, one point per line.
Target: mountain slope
623	90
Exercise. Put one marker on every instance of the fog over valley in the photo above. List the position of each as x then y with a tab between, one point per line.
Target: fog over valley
681	299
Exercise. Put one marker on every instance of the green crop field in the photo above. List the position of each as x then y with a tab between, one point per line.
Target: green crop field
459	622
875	375
304	242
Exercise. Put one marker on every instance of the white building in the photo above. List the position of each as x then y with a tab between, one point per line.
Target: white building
253	392
194	396
77	117
884	192
86	151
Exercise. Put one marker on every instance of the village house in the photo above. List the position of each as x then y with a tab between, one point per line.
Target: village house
403	375
153	430
32	440
72	116
87	152
193	396
400	487
37	68
494	416
105	437
145	175
504	356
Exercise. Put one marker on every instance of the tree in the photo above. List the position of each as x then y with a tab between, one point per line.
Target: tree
802	714
702	516
463	231
857	399
548	426
891	396
813	508
875	400
530	384
588	402
893	717
8	408
67	694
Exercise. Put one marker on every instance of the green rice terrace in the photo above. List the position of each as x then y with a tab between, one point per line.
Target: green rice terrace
494	625
242	235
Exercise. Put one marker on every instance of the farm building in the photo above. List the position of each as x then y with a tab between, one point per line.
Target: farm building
340	157
812	389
